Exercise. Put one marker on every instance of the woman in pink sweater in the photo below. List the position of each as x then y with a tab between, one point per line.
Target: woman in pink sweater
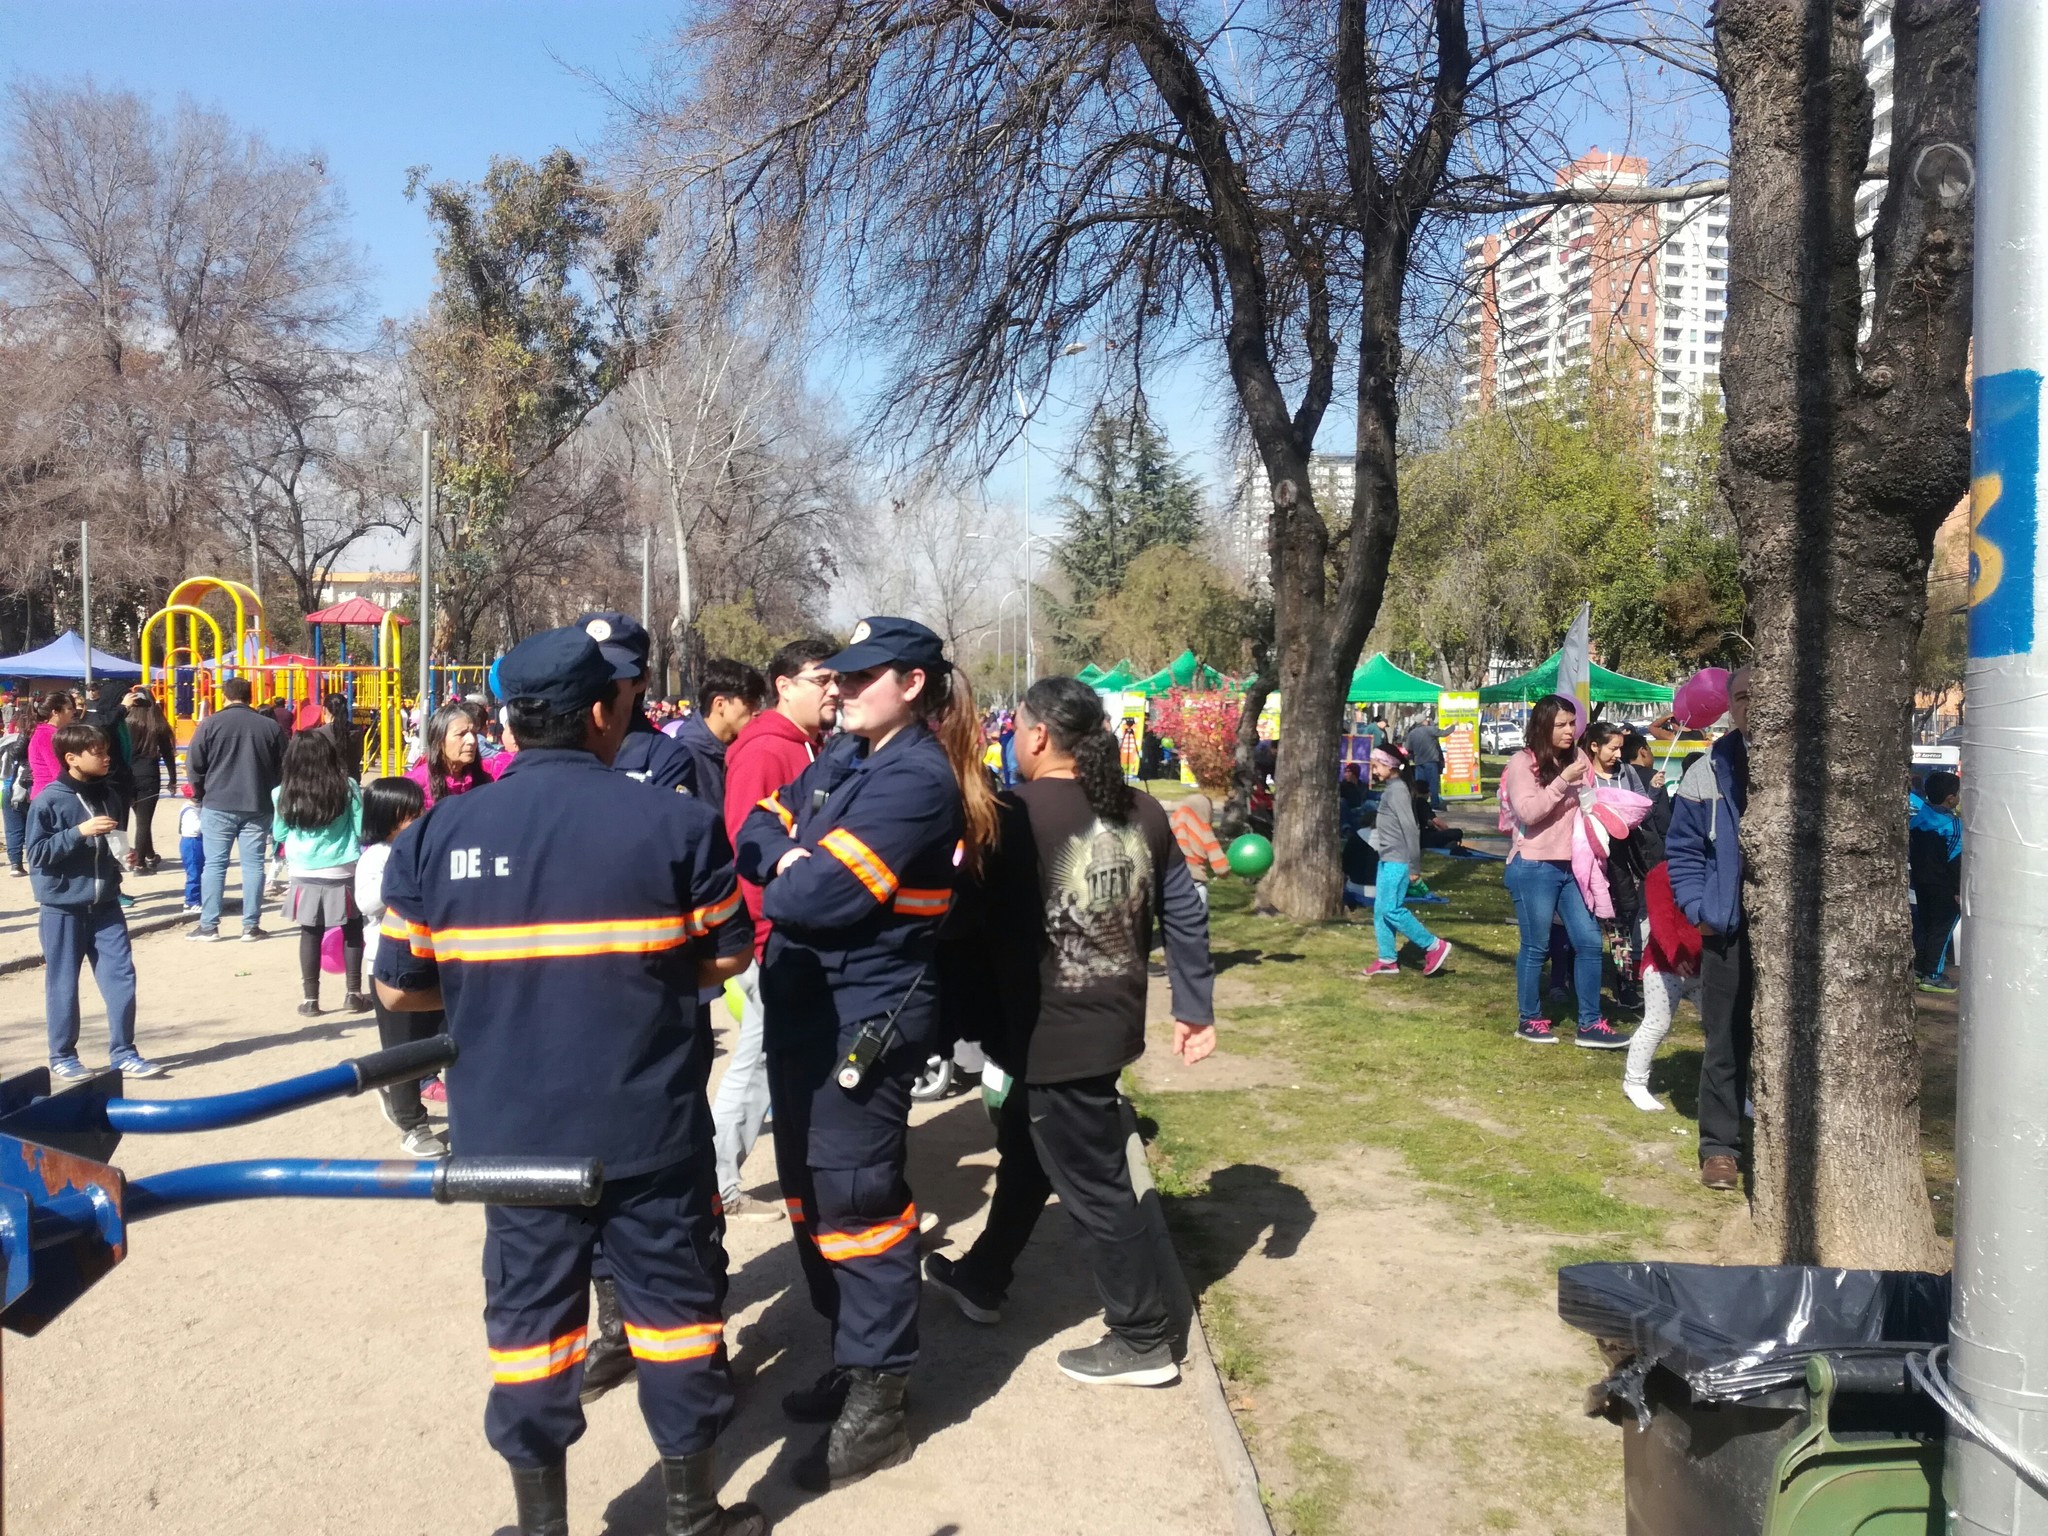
44	766
1540	792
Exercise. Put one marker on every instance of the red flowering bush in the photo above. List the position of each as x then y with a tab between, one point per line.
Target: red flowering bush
1203	729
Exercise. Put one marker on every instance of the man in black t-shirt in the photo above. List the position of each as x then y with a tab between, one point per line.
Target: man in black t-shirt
1085	868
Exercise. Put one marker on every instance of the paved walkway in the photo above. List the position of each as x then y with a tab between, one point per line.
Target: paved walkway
319	1367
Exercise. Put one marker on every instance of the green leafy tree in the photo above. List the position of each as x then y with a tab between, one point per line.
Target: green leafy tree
534	321
1171	598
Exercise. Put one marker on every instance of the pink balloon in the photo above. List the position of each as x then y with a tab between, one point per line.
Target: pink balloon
330	952
1702	698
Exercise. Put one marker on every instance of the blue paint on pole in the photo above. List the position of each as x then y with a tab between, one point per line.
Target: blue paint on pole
2005	450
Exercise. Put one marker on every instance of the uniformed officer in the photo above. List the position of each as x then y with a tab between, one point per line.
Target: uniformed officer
858	859
645	754
565	919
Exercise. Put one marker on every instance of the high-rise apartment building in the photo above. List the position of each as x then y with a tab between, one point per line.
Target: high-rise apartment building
1635	286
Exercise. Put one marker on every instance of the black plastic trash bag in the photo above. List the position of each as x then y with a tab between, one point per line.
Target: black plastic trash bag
1737	1332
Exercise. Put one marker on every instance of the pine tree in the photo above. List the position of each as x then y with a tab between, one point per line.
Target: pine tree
1128	493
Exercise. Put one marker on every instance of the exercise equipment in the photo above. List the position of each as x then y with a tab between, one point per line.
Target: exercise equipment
65	1212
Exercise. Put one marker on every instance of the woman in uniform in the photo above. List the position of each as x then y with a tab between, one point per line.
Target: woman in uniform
858	859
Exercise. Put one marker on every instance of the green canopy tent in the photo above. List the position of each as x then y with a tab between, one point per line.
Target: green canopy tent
1607	687
1117	679
1379	681
1091	674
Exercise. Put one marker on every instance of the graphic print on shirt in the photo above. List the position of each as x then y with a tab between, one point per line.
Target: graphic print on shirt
1098	887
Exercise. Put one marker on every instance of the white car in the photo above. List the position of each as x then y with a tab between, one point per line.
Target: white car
1501	736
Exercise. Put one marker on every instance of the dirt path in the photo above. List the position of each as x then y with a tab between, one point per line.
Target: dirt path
307	1368
1395	1364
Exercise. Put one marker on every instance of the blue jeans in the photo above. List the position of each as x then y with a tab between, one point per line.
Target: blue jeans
74	936
742	1102
1391	919
1543	889
16	817
221	830
1429	779
192	854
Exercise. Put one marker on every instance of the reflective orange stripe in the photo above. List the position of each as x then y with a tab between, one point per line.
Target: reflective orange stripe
796	1210
841	1246
554	941
868	866
774	803
416	935
914	903
509	1367
704	919
692	1342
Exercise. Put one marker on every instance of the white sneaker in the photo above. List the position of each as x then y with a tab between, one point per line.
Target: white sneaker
1639	1095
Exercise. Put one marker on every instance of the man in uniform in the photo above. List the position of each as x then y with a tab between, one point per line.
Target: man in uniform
646	754
566	920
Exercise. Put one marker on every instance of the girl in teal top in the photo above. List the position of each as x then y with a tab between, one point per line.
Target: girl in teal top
319	830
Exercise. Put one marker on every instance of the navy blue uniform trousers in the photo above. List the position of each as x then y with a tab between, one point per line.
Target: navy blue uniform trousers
664	1240
840	1157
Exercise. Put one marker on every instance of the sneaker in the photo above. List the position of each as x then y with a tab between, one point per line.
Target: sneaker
203	936
977	1303
1382	968
1639	1095
1936	984
356	1002
1600	1036
1433	959
739	1207
69	1069
310	1008
17	871
189	910
126	900
135	1064
254	935
1110	1362
1721	1172
424	1141
433	1091
1628	1000
1536	1032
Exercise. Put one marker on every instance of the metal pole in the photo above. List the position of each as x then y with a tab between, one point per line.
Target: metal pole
426	573
1030	651
255	558
85	596
646	577
1998	1324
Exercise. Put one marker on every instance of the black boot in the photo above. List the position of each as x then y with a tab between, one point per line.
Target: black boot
543	1497
609	1361
691	1486
869	1434
821	1401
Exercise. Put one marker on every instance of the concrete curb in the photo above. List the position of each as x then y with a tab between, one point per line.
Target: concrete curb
135	930
1248	1515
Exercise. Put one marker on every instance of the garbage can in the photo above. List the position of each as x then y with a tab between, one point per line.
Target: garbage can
1767	1401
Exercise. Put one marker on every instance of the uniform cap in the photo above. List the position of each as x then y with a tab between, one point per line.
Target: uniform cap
562	668
623	639
883	641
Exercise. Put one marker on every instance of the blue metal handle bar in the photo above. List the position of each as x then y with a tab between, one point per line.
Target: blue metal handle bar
485	1180
418	1058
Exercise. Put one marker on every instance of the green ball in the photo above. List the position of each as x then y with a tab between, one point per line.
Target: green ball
1250	855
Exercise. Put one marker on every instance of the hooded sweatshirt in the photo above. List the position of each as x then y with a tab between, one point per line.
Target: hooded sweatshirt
1704	846
65	869
771	752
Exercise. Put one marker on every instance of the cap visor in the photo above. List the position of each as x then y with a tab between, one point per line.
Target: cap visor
858	658
624	662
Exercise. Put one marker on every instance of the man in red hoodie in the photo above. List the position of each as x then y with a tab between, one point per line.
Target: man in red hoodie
771	752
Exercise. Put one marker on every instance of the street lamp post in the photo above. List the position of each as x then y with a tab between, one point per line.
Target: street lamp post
1013	646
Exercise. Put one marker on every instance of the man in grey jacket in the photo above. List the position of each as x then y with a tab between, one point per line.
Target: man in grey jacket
234	762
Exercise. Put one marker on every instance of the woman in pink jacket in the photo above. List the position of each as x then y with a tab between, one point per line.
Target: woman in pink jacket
44	766
1540	798
453	763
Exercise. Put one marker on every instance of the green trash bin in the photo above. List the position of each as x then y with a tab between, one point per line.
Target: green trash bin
1767	1401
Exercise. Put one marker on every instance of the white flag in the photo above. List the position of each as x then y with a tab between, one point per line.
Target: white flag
1575	665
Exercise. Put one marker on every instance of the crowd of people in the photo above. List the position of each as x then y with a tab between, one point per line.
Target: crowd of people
565	881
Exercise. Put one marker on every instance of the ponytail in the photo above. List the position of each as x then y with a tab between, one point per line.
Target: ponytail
946	709
1071	713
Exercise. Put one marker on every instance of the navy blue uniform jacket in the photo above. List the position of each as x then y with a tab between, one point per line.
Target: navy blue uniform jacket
653	758
856	924
563	911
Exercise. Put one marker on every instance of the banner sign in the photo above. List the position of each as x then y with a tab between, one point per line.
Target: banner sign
1458	713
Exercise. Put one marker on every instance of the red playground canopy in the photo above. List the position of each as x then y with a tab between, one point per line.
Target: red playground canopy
354	610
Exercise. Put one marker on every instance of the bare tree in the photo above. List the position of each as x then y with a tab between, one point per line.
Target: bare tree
1839	463
929	556
992	183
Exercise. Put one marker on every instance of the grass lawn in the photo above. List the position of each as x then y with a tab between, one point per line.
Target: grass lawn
1536	1144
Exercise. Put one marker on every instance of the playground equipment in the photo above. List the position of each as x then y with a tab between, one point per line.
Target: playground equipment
186	677
65	1212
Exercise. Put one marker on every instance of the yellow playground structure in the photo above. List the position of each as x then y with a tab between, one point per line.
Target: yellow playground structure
186	655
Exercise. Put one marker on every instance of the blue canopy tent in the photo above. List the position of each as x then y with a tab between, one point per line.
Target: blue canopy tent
63	659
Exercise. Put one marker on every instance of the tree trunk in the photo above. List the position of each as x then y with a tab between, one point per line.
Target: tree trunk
1232	818
1838	471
